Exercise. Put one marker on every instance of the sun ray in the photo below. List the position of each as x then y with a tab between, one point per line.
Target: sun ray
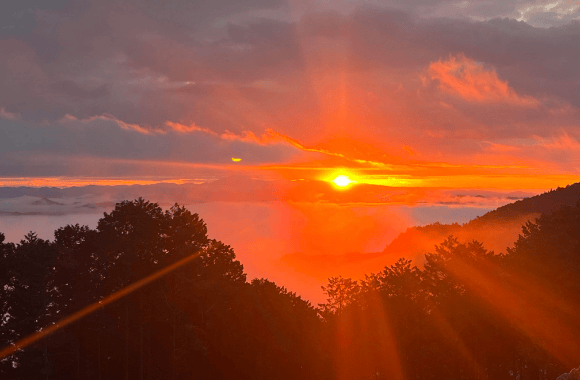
43	333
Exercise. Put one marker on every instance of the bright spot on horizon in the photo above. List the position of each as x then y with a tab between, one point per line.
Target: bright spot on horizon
234	159
342	181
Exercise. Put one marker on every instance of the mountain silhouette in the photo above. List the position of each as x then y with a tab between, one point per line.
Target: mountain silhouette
46	202
497	230
544	203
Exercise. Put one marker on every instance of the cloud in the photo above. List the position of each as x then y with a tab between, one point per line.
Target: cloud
187	128
463	77
113	119
269	137
539	13
18	17
104	146
7	115
551	13
315	77
495	147
561	142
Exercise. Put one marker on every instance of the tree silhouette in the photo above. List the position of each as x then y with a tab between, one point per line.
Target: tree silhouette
467	313
340	293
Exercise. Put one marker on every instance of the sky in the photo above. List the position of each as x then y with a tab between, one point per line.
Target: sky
421	103
413	93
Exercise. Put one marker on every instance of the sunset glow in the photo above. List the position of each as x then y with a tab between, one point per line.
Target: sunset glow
342	181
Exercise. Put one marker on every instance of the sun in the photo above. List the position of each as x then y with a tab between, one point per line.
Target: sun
342	181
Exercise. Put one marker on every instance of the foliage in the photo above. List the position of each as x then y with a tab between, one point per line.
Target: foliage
201	320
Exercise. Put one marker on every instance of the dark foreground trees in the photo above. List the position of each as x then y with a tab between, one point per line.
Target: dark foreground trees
202	320
466	314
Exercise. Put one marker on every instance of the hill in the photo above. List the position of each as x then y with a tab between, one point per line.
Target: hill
46	202
497	230
544	203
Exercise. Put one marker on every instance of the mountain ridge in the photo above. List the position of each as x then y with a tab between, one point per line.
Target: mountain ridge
496	229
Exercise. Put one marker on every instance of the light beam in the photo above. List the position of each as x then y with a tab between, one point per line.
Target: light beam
32	338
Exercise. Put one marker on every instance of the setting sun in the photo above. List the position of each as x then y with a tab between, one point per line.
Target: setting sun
342	181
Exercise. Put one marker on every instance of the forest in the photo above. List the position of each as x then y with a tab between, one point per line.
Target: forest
466	313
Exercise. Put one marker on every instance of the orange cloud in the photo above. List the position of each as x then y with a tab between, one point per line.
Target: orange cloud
298	145
169	125
562	142
120	123
408	150
362	160
464	77
494	147
181	128
268	137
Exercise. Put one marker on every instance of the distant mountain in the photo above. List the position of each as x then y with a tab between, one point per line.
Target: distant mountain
231	189
497	230
46	202
94	206
540	204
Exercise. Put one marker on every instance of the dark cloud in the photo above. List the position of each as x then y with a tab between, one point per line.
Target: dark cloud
539	13
19	17
80	92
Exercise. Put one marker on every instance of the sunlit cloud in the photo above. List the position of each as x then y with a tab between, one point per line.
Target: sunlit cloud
177	127
495	147
111	118
297	144
563	142
472	81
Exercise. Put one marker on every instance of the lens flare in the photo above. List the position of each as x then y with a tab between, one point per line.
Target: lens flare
43	333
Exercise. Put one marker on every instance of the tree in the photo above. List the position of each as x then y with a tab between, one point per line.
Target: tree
340	293
29	266
401	280
8	300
